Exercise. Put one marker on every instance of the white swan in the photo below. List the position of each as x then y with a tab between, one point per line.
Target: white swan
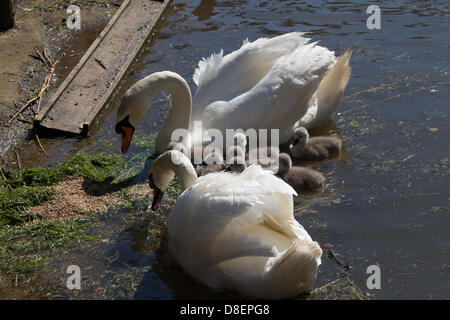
236	231
280	77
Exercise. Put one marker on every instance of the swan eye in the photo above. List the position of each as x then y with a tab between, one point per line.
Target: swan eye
124	123
295	142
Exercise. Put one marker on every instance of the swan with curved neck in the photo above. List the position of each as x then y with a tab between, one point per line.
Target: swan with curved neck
236	230
164	168
137	101
266	84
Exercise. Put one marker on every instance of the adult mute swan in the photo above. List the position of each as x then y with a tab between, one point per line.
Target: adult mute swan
236	231
266	84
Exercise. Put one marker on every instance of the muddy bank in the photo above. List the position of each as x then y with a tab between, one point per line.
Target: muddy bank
41	24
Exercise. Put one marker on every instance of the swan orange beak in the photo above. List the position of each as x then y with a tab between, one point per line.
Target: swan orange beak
127	134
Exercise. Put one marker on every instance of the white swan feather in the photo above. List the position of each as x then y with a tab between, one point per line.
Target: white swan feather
238	231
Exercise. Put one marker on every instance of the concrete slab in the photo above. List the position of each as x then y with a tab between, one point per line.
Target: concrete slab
78	102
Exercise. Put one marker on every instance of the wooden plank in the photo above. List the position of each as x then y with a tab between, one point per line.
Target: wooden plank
80	99
6	14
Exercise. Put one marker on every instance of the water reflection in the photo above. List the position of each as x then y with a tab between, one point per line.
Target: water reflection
205	9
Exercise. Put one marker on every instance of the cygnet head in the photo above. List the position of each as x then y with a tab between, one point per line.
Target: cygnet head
300	136
235	151
240	140
213	157
236	164
284	164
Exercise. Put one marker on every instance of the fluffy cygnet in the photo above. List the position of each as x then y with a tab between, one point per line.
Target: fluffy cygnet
193	151
235	151
264	156
240	140
236	158
236	164
316	148
213	162
299	177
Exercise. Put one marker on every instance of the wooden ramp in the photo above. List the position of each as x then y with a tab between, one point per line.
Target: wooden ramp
85	92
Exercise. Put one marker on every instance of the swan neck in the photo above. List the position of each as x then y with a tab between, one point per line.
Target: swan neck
183	169
179	116
186	179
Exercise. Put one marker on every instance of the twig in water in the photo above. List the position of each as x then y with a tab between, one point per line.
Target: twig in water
39	56
40	145
333	257
370	296
327	285
18	160
408	157
383	100
48	59
371	89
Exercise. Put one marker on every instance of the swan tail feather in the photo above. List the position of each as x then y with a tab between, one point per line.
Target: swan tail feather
327	97
295	269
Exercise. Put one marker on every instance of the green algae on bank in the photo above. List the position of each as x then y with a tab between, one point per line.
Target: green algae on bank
25	239
23	189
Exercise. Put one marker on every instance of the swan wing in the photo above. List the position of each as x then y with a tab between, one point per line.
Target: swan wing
327	97
284	93
221	77
210	218
238	231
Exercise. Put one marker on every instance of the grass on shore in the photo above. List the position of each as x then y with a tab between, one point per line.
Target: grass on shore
24	237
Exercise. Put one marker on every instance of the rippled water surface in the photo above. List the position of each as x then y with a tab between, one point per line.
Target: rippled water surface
387	198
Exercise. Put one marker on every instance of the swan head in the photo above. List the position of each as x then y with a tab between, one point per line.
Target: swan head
284	164
162	171
300	137
137	100
160	174
131	111
158	182
126	130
